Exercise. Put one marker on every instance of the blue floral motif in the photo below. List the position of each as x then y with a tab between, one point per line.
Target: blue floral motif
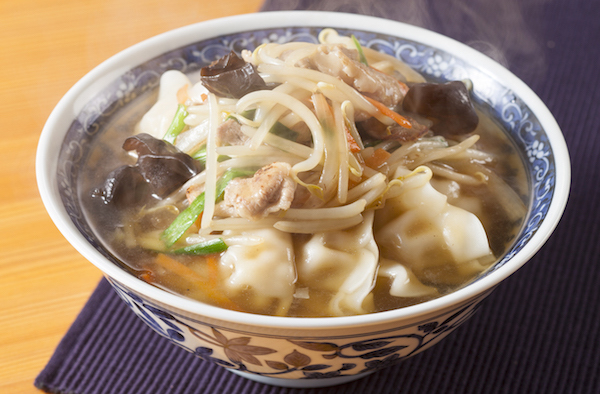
312	359
436	65
375	365
537	151
205	354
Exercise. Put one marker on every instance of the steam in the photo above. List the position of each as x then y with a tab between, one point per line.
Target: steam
498	28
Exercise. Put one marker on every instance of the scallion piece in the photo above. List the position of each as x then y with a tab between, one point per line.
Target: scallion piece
216	245
361	54
177	124
189	215
283	131
183	221
200	155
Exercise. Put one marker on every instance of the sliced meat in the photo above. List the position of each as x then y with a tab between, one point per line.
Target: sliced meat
343	63
230	133
194	191
271	189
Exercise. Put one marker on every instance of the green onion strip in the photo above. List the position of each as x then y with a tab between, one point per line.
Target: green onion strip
177	124
189	215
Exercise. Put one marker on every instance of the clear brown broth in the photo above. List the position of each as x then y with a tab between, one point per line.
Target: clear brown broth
106	154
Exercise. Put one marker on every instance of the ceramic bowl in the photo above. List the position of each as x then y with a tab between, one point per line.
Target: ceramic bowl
298	352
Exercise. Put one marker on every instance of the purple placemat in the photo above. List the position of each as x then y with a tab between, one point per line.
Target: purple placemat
539	332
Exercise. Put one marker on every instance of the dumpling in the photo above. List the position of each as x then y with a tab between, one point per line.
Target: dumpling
403	282
456	197
157	120
343	264
261	273
441	243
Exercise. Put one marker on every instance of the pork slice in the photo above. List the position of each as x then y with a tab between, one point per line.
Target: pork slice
193	192
343	63
230	133
271	189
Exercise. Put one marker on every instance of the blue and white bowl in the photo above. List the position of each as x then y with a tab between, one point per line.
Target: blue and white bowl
298	352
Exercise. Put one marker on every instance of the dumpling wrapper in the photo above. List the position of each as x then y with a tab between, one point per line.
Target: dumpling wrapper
439	242
265	270
343	263
404	282
157	120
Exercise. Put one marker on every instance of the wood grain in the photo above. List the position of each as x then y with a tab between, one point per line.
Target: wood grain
45	47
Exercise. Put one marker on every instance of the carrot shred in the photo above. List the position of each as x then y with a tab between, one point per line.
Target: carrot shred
377	159
147	276
199	220
395	116
182	94
213	270
181	270
403	86
204	97
352	144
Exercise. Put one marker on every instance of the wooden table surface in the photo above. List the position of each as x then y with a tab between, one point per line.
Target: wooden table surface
45	47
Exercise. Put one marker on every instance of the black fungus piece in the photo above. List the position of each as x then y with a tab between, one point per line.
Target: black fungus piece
230	76
161	164
447	105
124	187
161	168
373	129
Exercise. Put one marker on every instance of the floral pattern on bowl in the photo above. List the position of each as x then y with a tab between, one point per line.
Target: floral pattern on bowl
285	359
296	357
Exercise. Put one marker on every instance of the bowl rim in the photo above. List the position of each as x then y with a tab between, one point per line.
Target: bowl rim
62	116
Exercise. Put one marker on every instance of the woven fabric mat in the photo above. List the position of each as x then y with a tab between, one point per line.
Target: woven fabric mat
539	332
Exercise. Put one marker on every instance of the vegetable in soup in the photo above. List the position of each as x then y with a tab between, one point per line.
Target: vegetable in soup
306	180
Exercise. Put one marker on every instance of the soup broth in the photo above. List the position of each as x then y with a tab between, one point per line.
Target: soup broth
287	261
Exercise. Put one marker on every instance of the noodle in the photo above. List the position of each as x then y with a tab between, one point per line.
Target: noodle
374	182
314	226
330	86
256	161
211	164
456	176
437	154
281	143
342	212
241	224
344	162
300	188
301	110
